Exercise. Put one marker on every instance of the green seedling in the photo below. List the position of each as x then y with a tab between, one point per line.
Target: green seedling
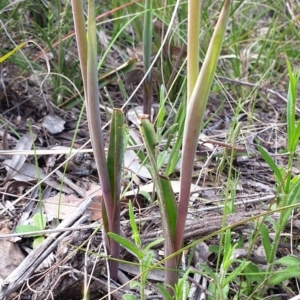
180	291
144	255
38	224
288	188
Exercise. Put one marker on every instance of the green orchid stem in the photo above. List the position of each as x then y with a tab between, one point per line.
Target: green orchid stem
79	25
194	15
87	47
94	119
195	112
147	50
166	200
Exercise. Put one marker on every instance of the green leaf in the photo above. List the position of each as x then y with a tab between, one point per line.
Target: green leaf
27	228
236	272
146	263
212	288
146	195
292	198
162	108
295	138
114	168
151	141
154	243
282	275
214	249
228	249
164	292
208	271
149	135
170	203
291	99
170	134
129	297
115	159
269	160
134	284
252	271
114	75
37	241
161	159
264	232
288	261
126	244
194	117
179	287
39	221
178	131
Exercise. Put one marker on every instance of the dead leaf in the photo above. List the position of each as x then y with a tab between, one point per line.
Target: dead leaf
69	203
15	164
133	164
54	124
133	113
28	172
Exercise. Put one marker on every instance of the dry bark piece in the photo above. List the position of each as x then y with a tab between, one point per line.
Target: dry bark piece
10	255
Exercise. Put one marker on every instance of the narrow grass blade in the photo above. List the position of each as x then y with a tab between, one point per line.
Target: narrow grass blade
135	232
264	232
269	160
164	292
152	244
175	152
235	273
162	109
115	74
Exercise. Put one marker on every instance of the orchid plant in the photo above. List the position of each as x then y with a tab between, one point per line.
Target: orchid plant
109	170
